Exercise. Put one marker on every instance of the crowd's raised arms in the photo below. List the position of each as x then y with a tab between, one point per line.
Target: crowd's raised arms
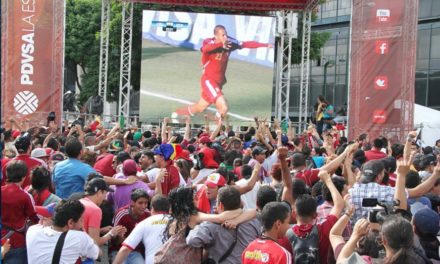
81	193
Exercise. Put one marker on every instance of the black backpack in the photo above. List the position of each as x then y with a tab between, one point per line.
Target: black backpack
305	250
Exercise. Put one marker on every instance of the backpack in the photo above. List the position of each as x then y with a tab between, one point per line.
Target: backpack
305	250
176	251
96	106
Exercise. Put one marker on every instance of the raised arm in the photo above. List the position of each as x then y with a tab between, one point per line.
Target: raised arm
425	186
285	174
336	231
217	130
251	182
347	172
254	45
187	134
163	133
158	188
338	202
361	228
399	193
334	164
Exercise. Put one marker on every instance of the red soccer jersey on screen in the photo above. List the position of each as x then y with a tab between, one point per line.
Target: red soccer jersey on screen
265	251
215	57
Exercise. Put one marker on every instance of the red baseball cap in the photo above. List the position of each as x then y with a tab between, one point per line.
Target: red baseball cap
184	154
215	180
204	140
16	133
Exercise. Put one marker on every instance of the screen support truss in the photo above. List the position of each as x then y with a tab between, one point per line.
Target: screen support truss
285	34
305	64
125	70
103	53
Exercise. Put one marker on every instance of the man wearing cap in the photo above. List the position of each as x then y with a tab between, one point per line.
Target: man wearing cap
69	176
426	227
259	156
369	186
427	165
207	193
95	193
24	147
41	240
162	156
121	196
209	164
40	153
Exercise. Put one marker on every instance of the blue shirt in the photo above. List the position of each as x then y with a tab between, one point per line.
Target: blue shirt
69	176
319	161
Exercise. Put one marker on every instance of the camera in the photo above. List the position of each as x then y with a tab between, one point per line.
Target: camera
382	210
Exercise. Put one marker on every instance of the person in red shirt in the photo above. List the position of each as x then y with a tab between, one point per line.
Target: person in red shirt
24	147
306	229
17	211
162	156
215	57
208	153
104	165
265	249
129	216
375	153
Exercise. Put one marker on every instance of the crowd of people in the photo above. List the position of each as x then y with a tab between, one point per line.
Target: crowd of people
80	193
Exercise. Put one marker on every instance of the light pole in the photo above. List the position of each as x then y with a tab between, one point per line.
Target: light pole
328	64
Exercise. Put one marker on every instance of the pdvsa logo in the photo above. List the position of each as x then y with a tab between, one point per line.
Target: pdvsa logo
25	102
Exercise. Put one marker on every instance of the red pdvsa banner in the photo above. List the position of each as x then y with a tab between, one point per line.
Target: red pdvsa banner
32	60
382	68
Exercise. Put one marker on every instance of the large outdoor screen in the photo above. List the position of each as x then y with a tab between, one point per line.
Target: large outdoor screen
198	63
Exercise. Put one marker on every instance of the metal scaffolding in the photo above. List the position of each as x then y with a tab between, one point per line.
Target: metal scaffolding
286	31
103	52
125	70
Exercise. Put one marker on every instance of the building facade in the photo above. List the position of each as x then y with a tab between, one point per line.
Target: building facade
329	76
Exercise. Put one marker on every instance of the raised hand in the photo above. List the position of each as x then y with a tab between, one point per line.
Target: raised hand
324	175
282	153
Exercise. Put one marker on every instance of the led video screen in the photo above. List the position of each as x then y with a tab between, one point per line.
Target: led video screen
199	63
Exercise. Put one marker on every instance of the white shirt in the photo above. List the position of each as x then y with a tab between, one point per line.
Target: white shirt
249	199
150	233
41	242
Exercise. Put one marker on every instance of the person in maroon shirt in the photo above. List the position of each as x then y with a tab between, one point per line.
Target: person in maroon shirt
375	153
162	155
23	146
215	57
17	211
129	216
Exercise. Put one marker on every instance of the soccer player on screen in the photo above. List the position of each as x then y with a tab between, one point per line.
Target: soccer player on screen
215	56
